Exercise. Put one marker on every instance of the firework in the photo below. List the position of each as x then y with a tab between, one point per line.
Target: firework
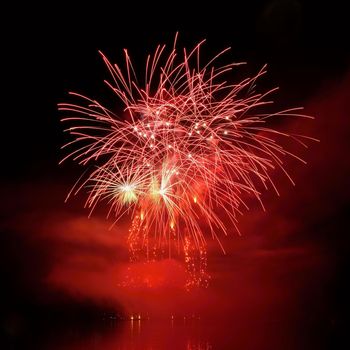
183	152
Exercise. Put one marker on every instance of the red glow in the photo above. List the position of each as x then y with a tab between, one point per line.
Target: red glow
192	148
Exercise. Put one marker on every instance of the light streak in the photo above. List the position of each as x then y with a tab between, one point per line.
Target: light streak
188	149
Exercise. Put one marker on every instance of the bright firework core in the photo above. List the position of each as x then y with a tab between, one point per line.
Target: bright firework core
128	194
187	151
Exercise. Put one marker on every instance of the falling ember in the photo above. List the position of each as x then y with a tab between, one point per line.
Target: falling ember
187	133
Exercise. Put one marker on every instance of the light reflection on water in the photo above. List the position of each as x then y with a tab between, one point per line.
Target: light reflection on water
144	334
186	334
167	335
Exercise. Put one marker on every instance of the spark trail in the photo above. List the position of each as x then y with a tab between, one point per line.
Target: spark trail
182	154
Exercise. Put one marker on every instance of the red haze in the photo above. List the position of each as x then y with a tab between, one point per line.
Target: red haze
281	263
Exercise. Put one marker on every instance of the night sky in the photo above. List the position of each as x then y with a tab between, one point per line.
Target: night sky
291	263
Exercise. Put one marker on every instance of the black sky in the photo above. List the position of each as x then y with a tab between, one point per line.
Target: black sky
50	49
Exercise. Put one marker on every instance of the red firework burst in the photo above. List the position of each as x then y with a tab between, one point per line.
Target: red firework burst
187	149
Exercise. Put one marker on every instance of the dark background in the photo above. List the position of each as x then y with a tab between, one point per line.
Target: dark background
50	49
